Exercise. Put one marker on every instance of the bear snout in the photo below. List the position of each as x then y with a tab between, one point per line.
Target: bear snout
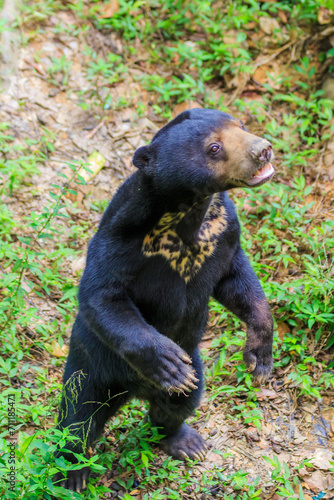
262	151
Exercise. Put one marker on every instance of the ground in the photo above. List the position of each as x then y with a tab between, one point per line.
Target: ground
92	82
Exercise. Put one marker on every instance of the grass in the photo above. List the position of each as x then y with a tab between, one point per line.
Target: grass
180	55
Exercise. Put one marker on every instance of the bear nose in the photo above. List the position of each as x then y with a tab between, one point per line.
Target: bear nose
262	151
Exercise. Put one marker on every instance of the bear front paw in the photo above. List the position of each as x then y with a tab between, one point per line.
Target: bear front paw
259	362
165	365
173	372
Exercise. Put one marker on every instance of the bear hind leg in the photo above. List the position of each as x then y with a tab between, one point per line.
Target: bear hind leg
85	408
170	412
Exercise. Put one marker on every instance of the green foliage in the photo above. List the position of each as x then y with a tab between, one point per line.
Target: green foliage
59	70
184	55
249	413
288	482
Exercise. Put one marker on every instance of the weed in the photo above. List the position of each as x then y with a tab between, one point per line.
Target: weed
177	52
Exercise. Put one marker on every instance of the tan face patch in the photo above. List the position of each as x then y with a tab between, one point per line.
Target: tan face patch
185	259
238	146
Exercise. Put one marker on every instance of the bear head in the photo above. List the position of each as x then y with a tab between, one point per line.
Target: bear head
204	151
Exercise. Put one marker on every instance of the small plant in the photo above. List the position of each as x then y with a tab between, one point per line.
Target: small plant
59	70
170	53
287	482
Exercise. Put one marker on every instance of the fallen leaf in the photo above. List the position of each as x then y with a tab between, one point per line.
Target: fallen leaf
316	481
251	25
263	444
260	74
277	439
214	458
109	9
252	433
183	106
38	67
282	329
298	437
27	287
282	16
266	394
206	344
308	410
78	197
55	350
328	159
321	458
266	429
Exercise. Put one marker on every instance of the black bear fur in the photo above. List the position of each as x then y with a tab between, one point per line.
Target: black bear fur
168	240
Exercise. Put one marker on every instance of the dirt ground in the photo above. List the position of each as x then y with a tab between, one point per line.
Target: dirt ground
293	428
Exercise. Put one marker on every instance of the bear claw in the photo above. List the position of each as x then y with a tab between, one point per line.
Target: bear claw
259	363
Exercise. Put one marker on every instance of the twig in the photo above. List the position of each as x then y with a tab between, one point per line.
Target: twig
91	134
275	54
243	452
257	65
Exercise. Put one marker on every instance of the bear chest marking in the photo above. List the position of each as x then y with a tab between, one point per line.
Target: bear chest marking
187	260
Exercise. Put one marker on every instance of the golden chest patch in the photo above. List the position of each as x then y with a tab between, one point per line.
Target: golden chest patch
185	259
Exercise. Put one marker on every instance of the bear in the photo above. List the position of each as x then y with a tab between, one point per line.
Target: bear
168	241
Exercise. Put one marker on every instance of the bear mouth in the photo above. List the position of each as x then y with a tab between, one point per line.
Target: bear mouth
261	175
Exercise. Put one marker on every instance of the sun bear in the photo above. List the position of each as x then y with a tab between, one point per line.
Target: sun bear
169	240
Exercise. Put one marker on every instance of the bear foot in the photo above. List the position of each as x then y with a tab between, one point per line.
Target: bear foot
76	480
185	444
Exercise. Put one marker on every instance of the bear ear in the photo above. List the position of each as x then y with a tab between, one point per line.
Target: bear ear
142	157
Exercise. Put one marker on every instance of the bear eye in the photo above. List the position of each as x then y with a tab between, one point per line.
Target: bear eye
214	148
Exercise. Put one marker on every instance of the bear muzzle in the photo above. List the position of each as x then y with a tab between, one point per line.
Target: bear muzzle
262	152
